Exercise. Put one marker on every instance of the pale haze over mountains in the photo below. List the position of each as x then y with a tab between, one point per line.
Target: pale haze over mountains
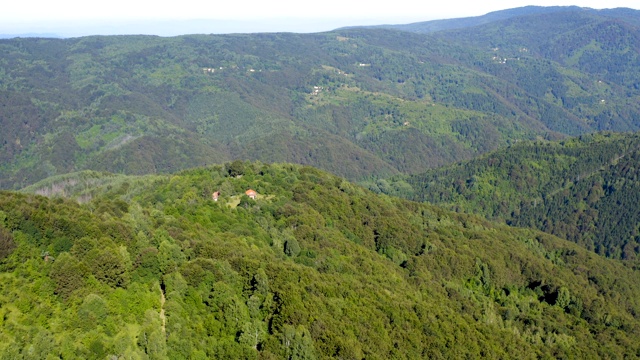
71	18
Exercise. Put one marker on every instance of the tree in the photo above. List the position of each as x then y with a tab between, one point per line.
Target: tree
291	247
235	168
253	333
151	337
564	298
7	244
246	201
298	343
68	274
169	256
92	312
108	265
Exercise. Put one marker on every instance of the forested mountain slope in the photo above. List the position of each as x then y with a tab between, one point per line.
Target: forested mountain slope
360	103
604	43
424	27
514	15
584	189
93	102
315	267
574	58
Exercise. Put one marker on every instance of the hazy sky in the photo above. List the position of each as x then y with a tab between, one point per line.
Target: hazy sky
76	17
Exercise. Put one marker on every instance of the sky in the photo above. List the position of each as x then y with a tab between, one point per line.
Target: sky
167	18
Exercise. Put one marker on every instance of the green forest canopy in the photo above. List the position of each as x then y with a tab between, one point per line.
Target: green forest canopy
316	267
361	103
582	189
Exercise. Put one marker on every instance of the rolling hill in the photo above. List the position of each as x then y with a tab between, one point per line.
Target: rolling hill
515	14
315	267
425	27
584	189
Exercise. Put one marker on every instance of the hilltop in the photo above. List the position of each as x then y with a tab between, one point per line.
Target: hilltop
316	267
425	27
514	14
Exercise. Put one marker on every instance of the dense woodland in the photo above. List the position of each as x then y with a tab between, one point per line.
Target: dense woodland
315	267
584	189
361	103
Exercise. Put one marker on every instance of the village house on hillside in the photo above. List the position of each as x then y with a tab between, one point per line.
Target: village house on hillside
251	194
215	195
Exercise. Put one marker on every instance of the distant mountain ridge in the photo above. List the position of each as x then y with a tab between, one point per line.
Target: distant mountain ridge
460	23
362	103
30	35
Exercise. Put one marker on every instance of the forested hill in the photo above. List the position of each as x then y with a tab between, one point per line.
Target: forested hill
315	267
360	103
585	189
467	22
514	15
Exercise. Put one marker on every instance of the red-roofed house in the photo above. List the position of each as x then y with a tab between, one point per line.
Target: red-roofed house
251	193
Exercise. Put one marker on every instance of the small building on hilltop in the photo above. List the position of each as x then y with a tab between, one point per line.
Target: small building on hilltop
215	195
251	194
